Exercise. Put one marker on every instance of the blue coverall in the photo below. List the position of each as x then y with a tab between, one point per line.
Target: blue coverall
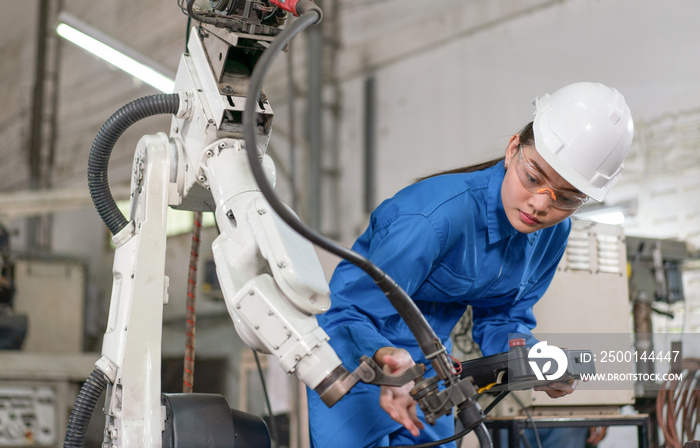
447	241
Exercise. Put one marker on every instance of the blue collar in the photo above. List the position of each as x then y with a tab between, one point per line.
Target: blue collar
499	226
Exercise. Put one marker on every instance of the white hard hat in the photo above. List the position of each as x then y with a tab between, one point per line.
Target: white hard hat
584	131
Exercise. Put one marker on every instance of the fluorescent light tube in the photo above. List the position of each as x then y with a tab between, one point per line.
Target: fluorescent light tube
612	215
117	58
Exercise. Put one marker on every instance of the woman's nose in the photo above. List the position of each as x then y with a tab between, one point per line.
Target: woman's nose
542	200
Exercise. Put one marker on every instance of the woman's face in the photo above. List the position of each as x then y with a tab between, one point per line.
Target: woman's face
528	211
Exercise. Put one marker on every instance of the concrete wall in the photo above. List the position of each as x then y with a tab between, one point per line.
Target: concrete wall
454	99
453	81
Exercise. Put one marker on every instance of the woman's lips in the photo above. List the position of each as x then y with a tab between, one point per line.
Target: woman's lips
528	219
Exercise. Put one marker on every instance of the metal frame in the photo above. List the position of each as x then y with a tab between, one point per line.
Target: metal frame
515	425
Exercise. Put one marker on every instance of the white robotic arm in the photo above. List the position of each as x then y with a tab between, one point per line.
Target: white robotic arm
271	278
272	281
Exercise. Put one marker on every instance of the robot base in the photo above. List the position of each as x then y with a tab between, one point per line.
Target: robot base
205	420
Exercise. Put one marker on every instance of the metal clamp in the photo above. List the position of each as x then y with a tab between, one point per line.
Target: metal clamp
370	372
340	381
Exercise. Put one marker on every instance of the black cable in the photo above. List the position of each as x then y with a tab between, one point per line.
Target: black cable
428	341
531	420
483	436
195	16
480	429
273	425
292	125
187	33
495	401
407	309
435	443
98	161
84	405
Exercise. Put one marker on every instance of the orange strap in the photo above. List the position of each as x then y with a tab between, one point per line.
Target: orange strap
547	190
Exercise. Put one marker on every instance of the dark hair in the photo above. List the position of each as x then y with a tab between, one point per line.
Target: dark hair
527	137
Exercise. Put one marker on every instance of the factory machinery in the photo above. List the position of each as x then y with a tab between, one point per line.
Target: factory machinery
272	282
214	159
41	343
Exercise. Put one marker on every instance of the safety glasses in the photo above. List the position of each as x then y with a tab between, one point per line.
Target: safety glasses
533	180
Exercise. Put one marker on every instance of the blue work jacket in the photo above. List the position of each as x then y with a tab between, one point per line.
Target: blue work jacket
447	241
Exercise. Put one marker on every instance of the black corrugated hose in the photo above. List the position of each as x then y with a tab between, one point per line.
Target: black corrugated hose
82	410
101	150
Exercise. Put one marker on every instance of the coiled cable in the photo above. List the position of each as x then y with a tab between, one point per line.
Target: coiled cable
82	410
98	162
677	410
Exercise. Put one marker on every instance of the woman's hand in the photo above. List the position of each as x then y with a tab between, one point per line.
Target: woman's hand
397	401
558	390
597	434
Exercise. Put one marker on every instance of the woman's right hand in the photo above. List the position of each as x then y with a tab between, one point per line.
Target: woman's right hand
397	401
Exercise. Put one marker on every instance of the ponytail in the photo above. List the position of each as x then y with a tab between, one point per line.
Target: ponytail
527	137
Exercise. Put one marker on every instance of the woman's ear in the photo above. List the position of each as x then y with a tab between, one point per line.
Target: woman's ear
512	149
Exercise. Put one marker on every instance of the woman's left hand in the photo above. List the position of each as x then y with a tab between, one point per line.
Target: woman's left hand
397	401
558	390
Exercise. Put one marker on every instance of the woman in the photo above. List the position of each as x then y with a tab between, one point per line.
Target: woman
489	236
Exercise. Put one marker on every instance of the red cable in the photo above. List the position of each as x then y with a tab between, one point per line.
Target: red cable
456	364
191	317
